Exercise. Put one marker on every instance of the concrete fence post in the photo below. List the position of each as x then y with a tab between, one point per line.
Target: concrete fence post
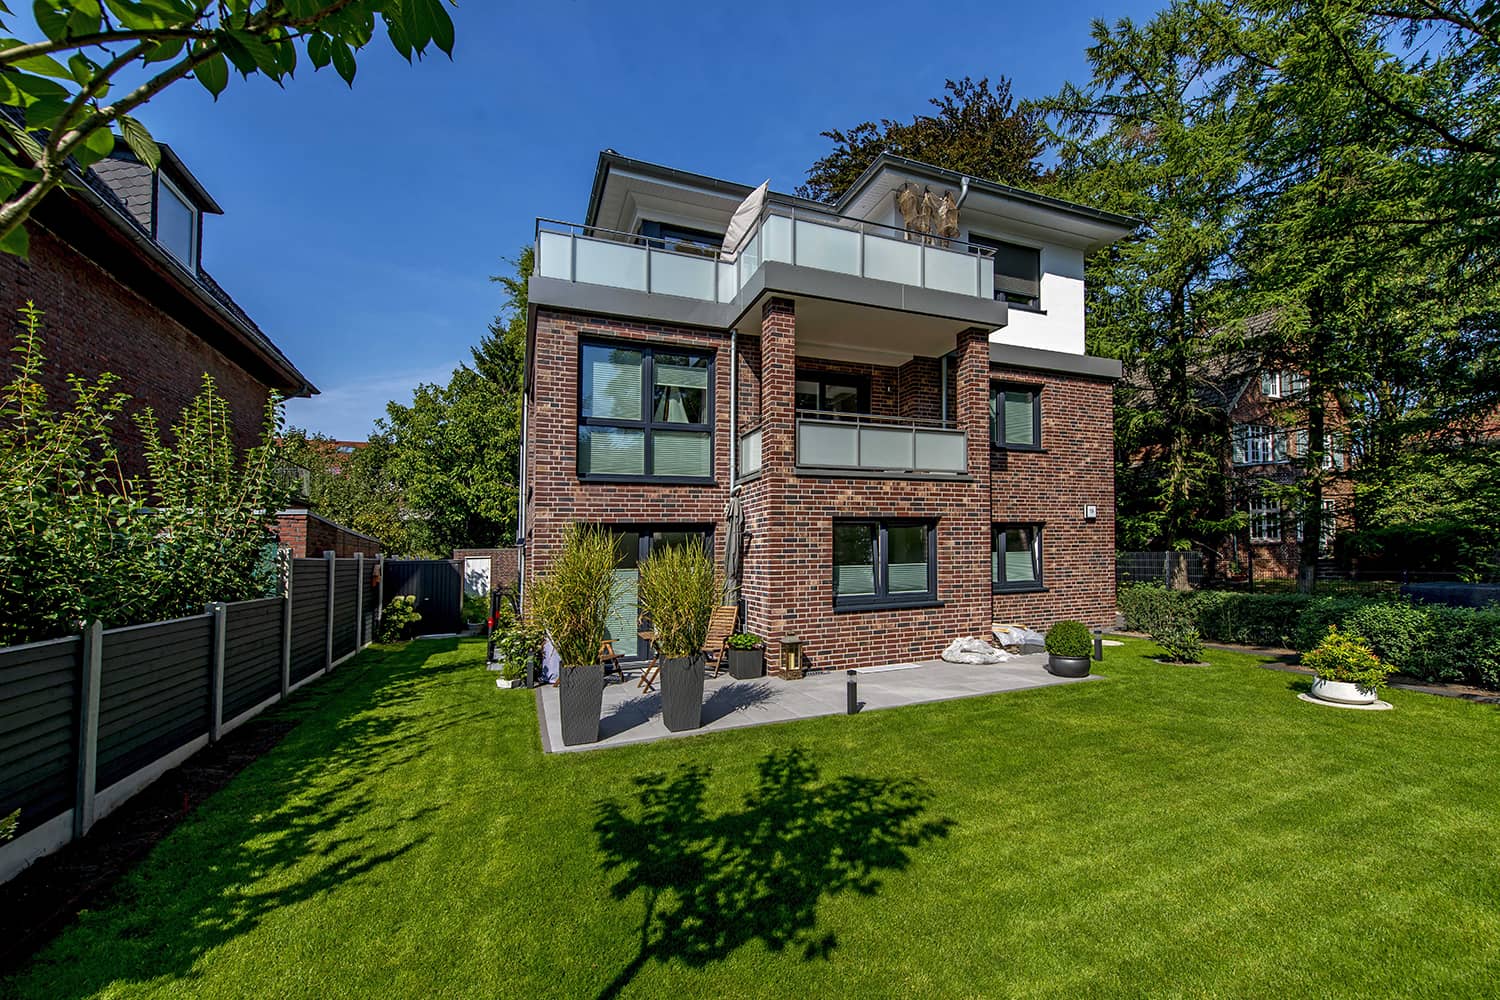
359	601
286	629
216	669
88	727
332	559
379	587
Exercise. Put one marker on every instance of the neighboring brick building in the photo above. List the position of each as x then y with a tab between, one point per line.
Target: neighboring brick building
115	266
917	442
504	567
309	535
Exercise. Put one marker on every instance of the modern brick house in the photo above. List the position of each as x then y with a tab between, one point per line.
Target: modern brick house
917	442
116	265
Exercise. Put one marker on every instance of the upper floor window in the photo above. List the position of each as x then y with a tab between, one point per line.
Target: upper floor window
833	393
884	563
176	223
1258	444
645	412
1015	417
1018	271
668	236
1279	385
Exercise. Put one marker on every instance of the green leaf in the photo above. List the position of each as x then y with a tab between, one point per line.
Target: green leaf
52	22
98	144
166	50
16	243
140	141
319	50
213	72
343	61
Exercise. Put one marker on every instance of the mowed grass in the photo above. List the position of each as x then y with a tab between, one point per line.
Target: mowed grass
1166	831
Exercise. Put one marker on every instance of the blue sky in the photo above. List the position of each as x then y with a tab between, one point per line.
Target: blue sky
362	225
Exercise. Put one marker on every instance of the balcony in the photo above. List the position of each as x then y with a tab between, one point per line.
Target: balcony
861	443
795	236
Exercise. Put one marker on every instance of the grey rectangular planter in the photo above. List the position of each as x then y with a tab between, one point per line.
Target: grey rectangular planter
682	692
580	699
747	664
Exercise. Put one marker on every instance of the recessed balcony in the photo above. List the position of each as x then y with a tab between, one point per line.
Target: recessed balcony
867	444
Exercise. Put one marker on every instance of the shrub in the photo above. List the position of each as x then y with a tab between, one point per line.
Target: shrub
1180	640
1069	638
397	619
573	600
1144	605
1248	619
1343	657
679	591
745	640
476	608
1461	644
9	825
517	643
1396	630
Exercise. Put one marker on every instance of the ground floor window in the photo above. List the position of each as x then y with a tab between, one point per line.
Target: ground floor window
1016	557
632	545
884	563
1265	520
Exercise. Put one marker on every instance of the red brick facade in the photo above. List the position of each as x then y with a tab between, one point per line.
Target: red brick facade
309	536
787	581
505	564
94	323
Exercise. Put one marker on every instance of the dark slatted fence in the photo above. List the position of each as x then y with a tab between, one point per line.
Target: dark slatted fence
86	721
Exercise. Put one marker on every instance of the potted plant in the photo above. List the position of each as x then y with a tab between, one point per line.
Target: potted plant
679	590
572	602
1068	647
746	656
1348	672
517	645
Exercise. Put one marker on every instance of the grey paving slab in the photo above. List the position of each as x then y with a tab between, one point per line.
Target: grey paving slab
631	716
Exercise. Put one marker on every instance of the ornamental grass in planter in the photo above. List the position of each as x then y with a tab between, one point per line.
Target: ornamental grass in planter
1348	671
572	603
1068	649
679	590
746	656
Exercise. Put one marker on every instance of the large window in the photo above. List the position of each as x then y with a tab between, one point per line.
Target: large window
1265	520
1016	557
1018	271
176	223
832	393
645	413
884	563
1258	444
1279	385
1015	416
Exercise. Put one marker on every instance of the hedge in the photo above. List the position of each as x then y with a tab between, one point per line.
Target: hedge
1427	641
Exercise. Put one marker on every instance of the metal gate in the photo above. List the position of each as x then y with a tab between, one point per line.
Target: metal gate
438	586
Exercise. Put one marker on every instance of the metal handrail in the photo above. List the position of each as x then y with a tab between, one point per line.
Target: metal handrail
863	227
873	419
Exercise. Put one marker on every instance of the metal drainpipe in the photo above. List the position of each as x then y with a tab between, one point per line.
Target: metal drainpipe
734	410
943	382
963	192
521	496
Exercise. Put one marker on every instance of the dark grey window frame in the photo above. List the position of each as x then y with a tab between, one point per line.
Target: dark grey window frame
861	385
882	599
997	426
997	536
647	424
670	235
646	532
1015	290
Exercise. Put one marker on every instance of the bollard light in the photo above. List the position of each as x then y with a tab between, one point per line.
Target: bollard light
853	694
1098	644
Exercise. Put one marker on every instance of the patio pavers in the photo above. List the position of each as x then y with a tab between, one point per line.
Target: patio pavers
632	716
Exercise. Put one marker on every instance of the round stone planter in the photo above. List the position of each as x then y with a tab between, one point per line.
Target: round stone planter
1343	692
580	699
1068	666
682	692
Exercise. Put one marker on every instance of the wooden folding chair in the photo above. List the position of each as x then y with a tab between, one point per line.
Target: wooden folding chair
611	659
720	628
652	668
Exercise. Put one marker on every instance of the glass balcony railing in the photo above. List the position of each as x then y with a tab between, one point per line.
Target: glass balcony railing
749	452
802	237
878	444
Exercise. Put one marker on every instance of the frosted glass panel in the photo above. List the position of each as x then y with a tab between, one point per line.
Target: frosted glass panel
986	278
749	260
885	448
612	383
750	452
726	282
1020	422
906	578
825	444
554	256
611	451
776	239
676	274
680	453
951	272
893	260
941	450
827	247
624	613
1018	567
604	263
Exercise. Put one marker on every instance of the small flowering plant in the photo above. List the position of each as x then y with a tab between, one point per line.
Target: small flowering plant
1345	658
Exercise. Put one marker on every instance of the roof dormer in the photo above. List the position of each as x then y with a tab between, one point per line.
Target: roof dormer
168	202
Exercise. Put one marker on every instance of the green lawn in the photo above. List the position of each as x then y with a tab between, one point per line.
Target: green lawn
1165	831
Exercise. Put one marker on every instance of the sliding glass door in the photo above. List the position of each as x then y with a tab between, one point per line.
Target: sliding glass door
635	543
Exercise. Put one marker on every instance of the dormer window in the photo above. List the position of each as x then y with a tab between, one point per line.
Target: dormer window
176	223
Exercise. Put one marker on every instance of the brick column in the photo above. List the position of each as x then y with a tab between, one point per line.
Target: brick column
971	532
778	383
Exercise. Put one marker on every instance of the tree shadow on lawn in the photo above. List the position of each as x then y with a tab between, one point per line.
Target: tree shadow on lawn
296	824
712	883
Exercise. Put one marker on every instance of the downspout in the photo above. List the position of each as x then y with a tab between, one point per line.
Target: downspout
943	383
963	192
734	408
521	499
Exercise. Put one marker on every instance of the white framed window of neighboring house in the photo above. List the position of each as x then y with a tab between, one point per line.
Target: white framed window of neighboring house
1280	385
176	223
1257	444
1335	449
1265	520
1327	527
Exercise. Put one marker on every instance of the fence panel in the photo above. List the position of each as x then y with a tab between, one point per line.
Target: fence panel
1154	567
345	607
154	693
38	729
372	597
252	654
309	617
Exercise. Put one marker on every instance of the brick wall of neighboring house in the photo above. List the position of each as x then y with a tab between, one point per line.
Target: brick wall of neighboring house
308	536
788	559
96	324
505	564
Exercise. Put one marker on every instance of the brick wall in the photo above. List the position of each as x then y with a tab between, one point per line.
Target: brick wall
505	564
309	536
95	324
